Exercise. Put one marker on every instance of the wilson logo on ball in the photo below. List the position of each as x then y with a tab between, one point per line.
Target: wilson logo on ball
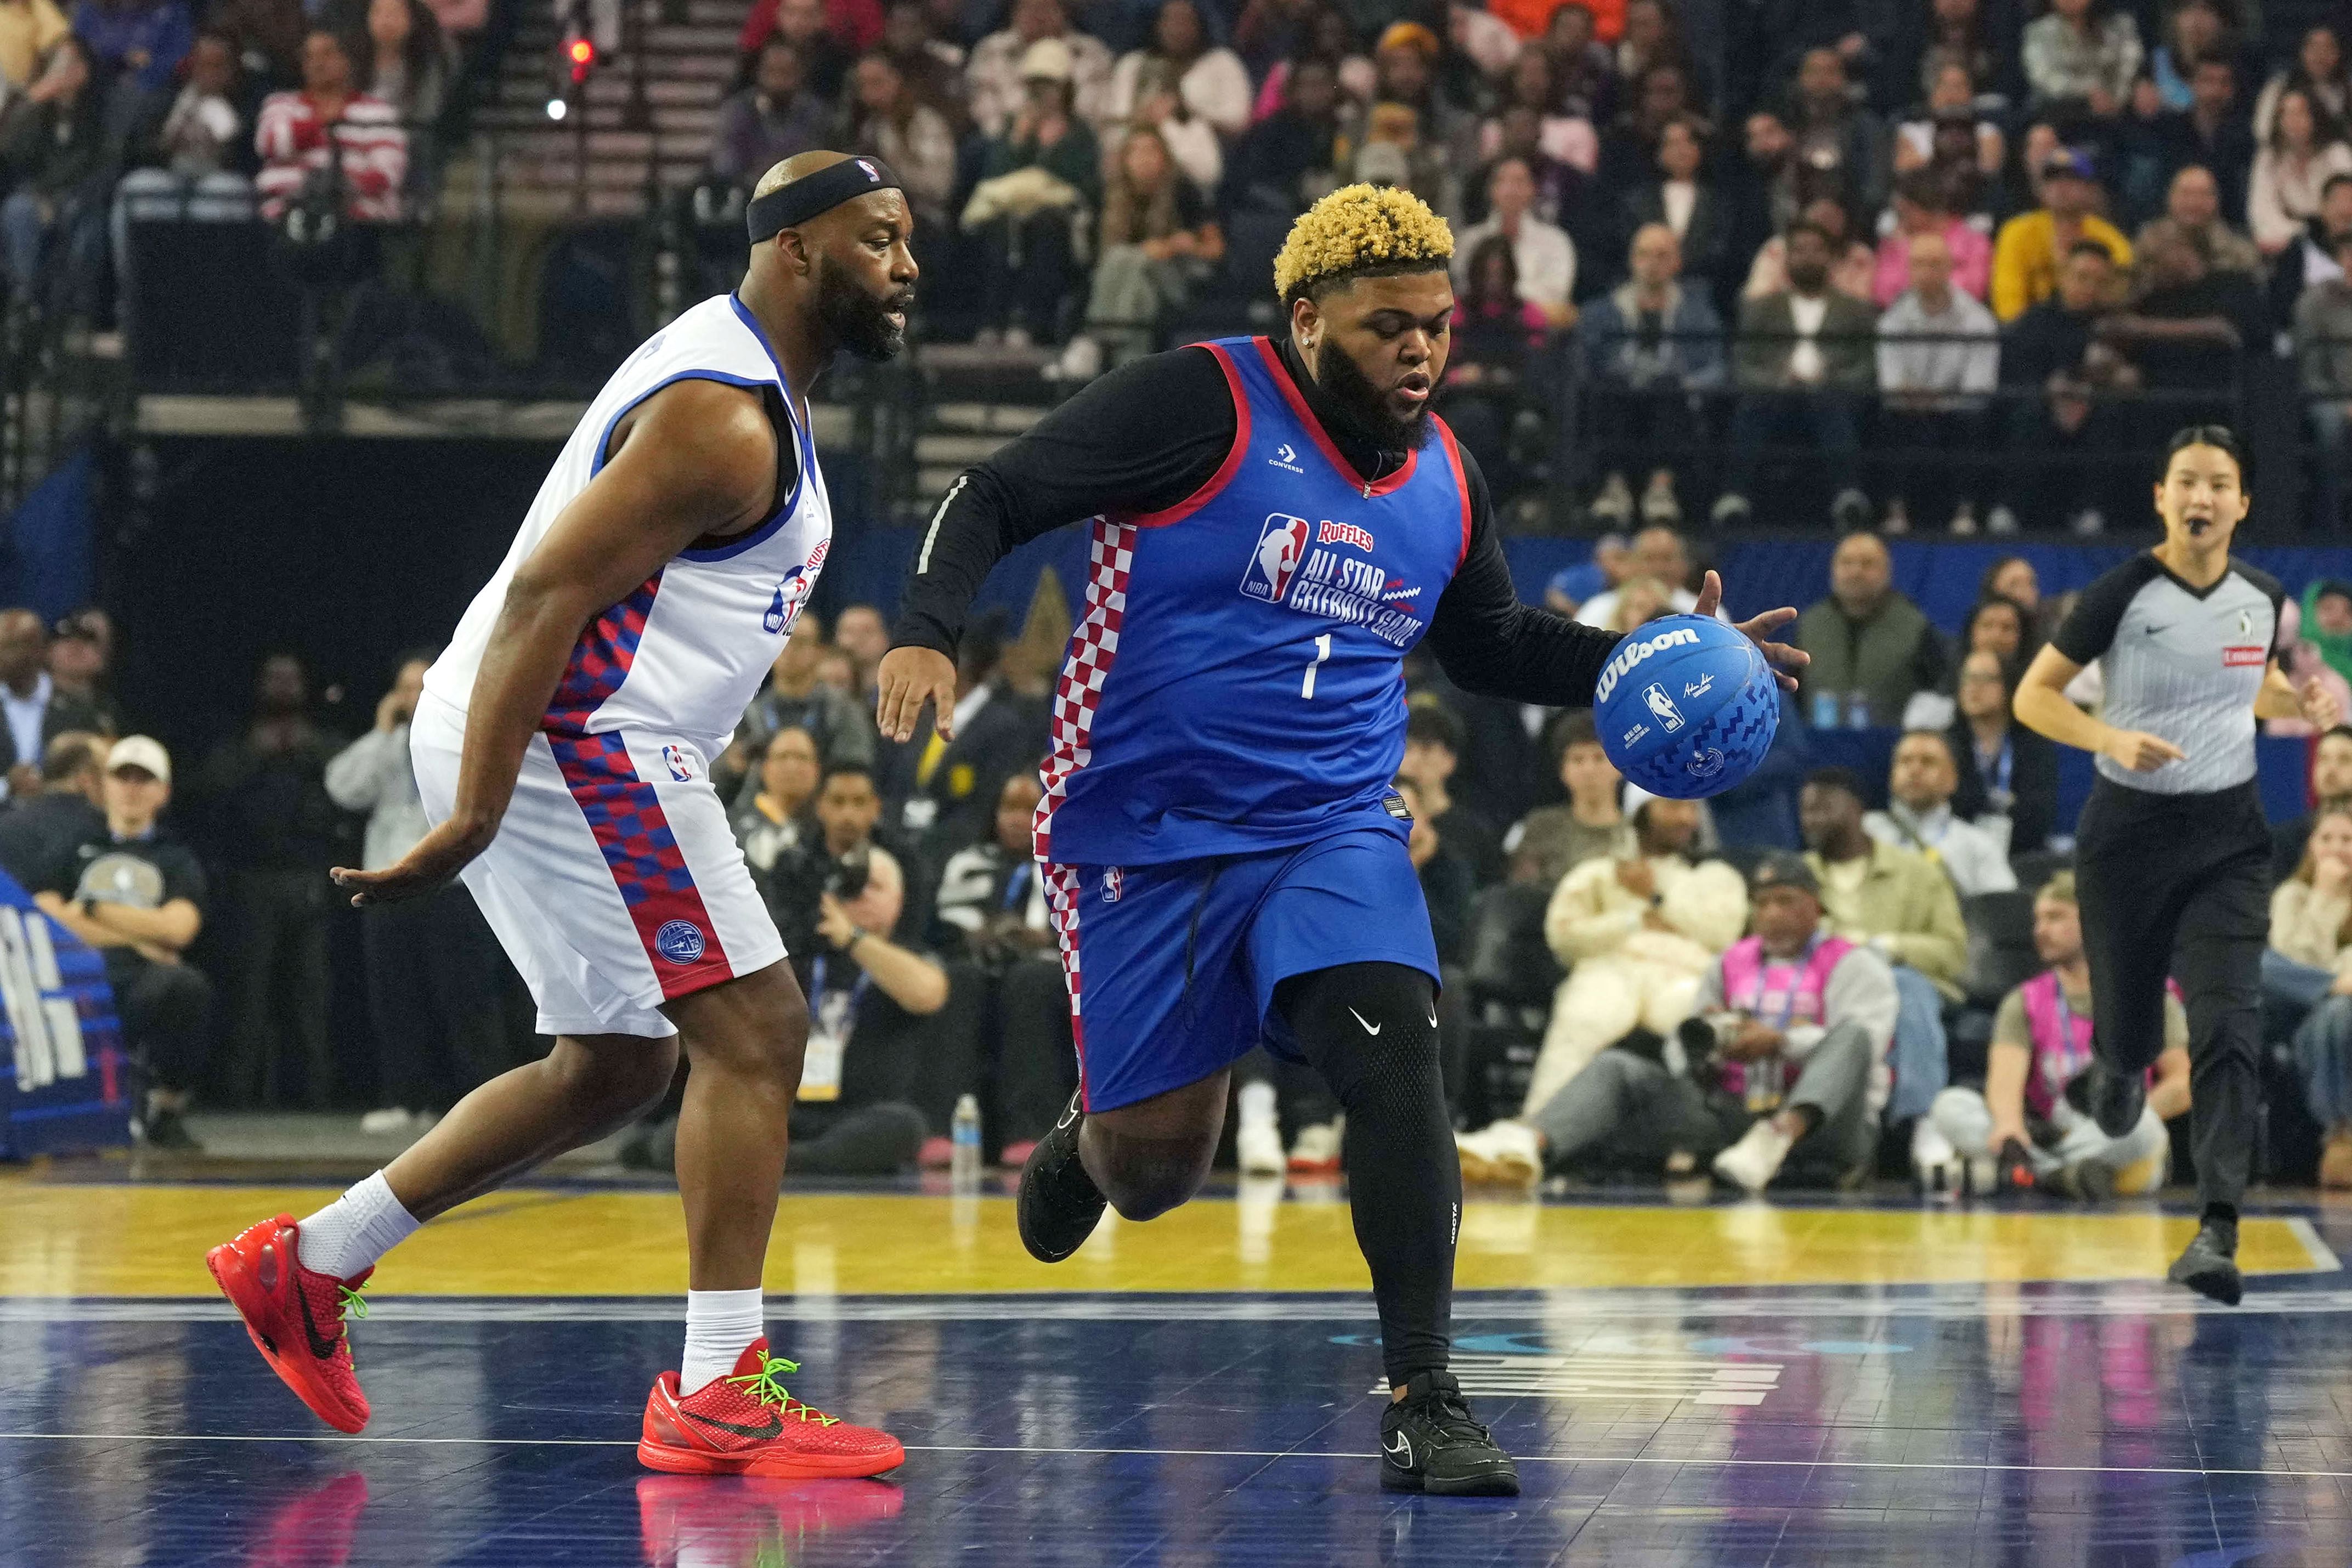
1633	652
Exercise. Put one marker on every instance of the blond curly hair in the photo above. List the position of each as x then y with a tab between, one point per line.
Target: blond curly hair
1358	230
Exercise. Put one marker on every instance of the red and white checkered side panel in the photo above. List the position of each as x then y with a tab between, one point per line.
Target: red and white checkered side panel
1062	894
1094	646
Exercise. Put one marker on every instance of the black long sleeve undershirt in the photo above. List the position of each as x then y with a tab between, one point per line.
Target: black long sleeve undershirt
1147	437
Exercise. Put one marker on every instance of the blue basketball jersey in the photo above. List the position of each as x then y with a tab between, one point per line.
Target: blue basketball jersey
1234	683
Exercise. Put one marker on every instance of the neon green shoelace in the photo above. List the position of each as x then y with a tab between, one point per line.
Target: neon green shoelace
762	1386
352	1303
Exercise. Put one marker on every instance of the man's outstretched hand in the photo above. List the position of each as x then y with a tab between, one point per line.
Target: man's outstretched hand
437	857
1785	659
905	679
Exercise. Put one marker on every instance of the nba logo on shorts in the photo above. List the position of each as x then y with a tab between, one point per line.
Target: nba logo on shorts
1281	546
681	763
679	941
1114	880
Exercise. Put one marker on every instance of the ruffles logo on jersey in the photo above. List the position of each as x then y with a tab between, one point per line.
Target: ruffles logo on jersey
1281	545
1283	570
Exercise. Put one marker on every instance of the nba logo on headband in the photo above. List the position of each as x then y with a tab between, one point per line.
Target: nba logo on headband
871	172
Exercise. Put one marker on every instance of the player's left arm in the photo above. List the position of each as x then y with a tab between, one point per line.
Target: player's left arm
1488	642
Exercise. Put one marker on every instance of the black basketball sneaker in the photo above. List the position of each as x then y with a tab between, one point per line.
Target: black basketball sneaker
1429	1443
1060	1204
2209	1266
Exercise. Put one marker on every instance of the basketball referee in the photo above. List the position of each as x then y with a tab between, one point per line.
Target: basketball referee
2172	854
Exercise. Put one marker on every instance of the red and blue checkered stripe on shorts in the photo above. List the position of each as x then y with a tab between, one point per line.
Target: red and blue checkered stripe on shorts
621	808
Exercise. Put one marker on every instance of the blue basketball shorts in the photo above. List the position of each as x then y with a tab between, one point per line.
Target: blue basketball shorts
1171	968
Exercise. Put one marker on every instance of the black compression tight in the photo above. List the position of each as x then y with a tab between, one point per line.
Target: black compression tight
1371	1031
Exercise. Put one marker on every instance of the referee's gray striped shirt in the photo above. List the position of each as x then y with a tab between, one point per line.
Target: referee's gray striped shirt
2179	663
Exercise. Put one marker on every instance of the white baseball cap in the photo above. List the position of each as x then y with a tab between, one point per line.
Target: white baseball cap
140	751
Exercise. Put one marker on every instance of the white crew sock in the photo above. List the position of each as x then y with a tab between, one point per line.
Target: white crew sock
718	1325
1257	1103
351	1233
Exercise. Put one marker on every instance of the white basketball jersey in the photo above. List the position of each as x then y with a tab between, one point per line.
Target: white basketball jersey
687	650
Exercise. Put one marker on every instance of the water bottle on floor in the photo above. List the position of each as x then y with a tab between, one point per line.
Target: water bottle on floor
963	1136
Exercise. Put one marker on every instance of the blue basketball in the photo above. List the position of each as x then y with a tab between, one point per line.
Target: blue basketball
1686	707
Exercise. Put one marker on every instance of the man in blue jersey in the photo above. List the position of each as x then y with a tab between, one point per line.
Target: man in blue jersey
1275	525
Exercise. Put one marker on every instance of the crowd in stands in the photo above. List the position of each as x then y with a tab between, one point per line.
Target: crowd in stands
1908	239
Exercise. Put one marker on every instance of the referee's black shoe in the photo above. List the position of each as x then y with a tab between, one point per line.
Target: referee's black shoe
1430	1443
2209	1266
2111	1099
1060	1204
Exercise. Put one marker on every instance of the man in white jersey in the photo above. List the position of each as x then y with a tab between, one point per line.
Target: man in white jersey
562	749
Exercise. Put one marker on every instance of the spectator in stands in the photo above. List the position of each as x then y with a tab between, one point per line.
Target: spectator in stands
2320	71
203	133
1323	33
1919	210
2189	326
2331	789
2326	620
1530	100
136	46
1938	359
1584	74
2311	923
1433	739
2196	32
1552	841
2005	769
1180	78
70	807
1950	107
795	698
932	67
2311	259
1683	199
1802	360
826	51
2001	627
1289	159
2192	210
137	896
2055	346
266	34
2304	151
1919	817
773	821
774	119
1545	257
1040	182
435	973
1799	1021
1902	907
82	662
2211	134
1571	585
1001	82
409	63
29	29
1159	241
2323	348
2031	246
2041	1044
1651	347
55	149
36	711
1493	370
1448	881
2081	60
1853	264
1835	132
992	921
860	631
330	137
1872	649
888	116
1635	934
1659	553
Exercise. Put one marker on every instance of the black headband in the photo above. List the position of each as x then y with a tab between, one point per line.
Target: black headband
788	206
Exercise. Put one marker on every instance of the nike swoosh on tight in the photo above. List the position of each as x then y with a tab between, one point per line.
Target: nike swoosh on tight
1369	1028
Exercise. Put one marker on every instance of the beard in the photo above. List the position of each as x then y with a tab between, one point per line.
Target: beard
1366	406
857	321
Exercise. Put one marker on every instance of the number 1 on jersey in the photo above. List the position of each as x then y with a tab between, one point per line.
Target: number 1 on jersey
1322	652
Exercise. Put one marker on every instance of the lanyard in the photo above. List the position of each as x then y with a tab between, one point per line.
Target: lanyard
1016	886
1997	780
1796	968
857	990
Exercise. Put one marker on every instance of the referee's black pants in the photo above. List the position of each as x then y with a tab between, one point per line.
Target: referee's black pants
2179	884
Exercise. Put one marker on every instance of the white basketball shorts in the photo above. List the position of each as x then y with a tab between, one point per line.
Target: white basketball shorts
614	883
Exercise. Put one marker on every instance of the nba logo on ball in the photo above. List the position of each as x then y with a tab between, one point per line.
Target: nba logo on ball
1281	546
1686	707
679	941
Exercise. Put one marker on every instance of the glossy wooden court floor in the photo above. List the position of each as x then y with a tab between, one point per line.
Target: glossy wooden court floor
1725	1383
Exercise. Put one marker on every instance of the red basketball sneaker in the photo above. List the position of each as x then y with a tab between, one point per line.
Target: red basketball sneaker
747	1425
296	1318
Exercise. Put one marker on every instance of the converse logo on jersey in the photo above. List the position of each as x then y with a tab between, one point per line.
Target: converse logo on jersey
1286	457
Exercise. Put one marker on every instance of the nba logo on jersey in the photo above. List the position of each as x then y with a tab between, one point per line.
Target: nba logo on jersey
681	763
1281	546
791	595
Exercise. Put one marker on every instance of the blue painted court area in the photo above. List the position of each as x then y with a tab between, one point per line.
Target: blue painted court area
1952	1426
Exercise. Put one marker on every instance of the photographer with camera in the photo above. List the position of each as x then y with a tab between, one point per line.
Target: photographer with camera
1786	1056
